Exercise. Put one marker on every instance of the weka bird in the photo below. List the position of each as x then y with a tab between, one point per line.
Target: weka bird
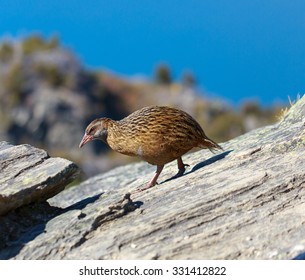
156	134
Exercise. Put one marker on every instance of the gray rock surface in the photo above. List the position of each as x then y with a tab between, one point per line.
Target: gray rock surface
28	175
245	203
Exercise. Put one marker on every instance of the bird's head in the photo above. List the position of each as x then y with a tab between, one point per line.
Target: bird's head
97	129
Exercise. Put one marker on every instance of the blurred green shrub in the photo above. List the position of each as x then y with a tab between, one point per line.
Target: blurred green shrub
226	126
50	74
35	43
6	52
13	83
163	74
251	108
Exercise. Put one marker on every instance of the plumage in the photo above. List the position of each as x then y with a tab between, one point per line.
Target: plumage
156	134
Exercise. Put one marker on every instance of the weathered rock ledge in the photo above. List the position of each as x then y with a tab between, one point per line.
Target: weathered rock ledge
245	203
29	174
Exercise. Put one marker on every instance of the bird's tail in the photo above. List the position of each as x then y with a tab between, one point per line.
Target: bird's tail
210	144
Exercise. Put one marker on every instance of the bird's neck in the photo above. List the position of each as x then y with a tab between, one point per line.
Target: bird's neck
114	128
118	138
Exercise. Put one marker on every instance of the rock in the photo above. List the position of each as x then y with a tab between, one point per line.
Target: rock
245	203
28	175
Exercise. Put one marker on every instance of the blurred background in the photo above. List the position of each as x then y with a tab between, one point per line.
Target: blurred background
230	64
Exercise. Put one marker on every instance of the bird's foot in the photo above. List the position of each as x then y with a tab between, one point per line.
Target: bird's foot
181	170
148	186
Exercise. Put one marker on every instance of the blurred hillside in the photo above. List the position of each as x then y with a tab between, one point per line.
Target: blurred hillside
47	98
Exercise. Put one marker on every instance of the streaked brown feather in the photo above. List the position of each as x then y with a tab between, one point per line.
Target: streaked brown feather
157	134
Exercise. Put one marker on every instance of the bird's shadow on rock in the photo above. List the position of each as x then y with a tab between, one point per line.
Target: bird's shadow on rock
201	165
300	256
209	161
27	222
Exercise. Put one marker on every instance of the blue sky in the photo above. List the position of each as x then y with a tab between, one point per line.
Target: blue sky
238	50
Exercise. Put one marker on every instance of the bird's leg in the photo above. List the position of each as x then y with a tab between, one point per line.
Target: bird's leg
181	167
153	181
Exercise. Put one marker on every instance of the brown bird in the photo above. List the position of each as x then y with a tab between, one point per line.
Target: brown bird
156	134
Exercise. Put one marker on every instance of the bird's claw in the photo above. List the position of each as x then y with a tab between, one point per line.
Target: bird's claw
145	188
181	170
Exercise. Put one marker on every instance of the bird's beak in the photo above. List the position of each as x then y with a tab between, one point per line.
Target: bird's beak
85	140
